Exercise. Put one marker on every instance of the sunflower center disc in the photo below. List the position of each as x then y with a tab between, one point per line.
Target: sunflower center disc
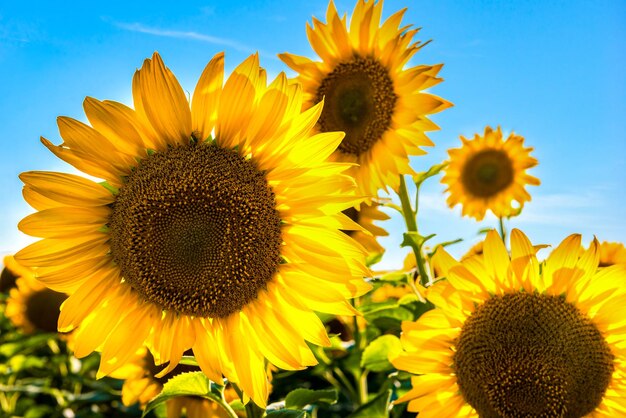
523	355
195	230
359	100
487	173
43	308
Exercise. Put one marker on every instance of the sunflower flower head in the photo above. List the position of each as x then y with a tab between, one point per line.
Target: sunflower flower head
31	306
11	271
368	92
217	227
510	337
489	173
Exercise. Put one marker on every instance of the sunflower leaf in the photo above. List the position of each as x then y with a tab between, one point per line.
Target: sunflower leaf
185	384
375	356
377	407
299	398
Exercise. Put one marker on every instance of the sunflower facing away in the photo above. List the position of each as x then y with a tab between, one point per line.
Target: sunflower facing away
512	338
488	173
612	253
31	306
368	92
218	227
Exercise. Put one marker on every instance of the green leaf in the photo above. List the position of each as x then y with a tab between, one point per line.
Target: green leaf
286	413
414	240
373	259
378	407
376	354
299	398
387	316
419	178
185	384
189	361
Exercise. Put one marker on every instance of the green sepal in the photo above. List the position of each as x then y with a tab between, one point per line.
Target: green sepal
419	178
114	190
414	240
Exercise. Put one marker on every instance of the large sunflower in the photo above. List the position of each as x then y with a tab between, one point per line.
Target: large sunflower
218	227
31	306
512	338
488	173
368	92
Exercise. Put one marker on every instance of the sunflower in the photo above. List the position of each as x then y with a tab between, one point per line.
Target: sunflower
141	384
612	253
217	228
512	338
488	172
31	306
365	216
368	92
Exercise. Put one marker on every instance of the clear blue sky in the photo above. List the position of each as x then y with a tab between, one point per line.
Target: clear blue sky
553	71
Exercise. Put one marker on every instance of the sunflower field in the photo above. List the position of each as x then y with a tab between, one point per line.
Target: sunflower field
215	251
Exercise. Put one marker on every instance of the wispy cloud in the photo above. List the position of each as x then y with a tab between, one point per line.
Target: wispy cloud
141	28
189	35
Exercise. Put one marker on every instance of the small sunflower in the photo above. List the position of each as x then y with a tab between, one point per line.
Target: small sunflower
217	229
612	253
488	172
368	92
31	306
365	216
141	384
511	337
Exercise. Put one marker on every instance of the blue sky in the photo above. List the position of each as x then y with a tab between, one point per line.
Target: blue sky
552	71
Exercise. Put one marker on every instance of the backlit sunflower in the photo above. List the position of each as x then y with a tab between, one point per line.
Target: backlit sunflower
218	227
141	384
33	307
488	173
512	338
365	216
368	92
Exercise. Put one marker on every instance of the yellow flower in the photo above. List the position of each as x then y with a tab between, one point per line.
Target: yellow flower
31	306
476	250
141	384
365	216
368	93
612	253
510	337
218	228
488	173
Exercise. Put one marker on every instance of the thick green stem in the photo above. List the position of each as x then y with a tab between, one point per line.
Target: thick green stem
410	218
252	409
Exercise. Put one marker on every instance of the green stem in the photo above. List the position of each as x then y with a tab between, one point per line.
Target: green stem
252	409
346	383
363	391
502	230
410	218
